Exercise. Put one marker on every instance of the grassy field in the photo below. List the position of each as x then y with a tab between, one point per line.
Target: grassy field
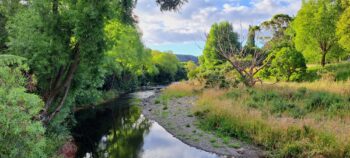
332	72
310	119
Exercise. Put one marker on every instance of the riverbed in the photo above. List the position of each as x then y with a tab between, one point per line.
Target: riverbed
118	129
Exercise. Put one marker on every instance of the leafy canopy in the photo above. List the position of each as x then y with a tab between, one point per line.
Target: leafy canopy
315	26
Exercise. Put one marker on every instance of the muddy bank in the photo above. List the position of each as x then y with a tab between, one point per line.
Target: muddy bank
178	120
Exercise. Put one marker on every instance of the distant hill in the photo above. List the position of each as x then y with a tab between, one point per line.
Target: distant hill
185	58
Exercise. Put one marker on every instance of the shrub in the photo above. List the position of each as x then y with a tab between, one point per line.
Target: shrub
294	149
288	65
322	100
20	134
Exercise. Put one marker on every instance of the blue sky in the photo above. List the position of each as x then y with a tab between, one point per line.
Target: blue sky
184	32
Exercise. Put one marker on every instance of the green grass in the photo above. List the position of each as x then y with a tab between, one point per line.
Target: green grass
336	72
256	116
309	119
235	145
294	103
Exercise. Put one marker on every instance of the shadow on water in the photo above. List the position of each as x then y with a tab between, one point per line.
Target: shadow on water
118	130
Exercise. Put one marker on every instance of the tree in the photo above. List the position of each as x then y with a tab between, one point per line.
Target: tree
246	65
251	36
192	69
211	57
315	26
65	45
167	64
8	8
279	27
288	64
170	4
127	61
343	29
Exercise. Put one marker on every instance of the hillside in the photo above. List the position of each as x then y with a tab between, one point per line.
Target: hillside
185	58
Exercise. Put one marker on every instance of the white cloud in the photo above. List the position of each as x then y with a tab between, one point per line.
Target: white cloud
196	17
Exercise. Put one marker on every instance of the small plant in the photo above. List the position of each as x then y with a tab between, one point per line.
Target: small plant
235	145
226	140
157	101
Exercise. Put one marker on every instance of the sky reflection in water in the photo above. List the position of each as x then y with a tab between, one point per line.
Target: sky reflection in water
161	144
118	130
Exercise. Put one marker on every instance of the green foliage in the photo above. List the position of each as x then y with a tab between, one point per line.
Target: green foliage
343	29
315	27
322	100
333	72
128	63
288	65
17	112
214	70
192	69
211	57
8	8
282	33
251	36
167	64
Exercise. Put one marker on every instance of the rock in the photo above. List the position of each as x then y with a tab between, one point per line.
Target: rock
68	150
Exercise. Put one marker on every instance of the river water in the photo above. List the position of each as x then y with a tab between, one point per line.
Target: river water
119	130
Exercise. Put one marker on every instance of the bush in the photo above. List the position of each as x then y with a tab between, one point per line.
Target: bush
322	100
20	134
294	149
288	65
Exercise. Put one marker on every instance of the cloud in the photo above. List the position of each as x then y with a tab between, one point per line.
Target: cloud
195	18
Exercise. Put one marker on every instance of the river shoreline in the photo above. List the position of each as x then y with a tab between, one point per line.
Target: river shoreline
178	120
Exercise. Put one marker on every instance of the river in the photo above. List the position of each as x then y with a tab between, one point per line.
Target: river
118	129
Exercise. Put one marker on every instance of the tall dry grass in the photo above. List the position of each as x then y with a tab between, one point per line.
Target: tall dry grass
284	136
310	136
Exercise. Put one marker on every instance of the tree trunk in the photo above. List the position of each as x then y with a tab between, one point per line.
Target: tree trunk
55	7
62	83
60	106
323	61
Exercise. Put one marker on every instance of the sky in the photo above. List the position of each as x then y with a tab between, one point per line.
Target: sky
184	31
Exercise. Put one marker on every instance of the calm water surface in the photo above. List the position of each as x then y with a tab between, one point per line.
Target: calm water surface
118	130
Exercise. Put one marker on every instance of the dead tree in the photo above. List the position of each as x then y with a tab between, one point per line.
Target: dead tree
246	63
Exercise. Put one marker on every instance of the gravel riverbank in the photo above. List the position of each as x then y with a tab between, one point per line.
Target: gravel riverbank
178	120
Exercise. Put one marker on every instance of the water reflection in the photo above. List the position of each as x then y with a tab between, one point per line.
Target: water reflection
118	130
161	144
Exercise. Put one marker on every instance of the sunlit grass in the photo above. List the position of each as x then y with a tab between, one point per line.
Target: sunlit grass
315	121
178	90
341	88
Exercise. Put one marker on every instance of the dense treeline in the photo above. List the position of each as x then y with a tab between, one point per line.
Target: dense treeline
66	55
279	48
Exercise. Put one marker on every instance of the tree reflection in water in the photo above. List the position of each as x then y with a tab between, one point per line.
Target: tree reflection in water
115	132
